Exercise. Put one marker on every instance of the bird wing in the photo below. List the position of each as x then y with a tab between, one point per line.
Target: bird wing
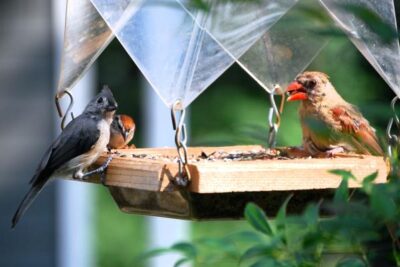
353	124
76	139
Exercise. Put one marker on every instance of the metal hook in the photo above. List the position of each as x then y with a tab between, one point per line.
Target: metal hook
69	108
274	111
393	139
393	106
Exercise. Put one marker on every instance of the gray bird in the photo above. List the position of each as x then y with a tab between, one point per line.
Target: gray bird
76	148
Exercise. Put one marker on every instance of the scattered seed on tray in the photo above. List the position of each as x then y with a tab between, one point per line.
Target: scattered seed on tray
218	155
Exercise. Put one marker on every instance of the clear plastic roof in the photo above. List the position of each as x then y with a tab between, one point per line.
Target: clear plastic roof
86	36
182	50
384	55
268	44
288	47
178	58
237	25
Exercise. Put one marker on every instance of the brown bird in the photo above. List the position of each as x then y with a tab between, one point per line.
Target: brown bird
122	131
330	124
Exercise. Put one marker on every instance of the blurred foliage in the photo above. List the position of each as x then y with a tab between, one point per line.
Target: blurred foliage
311	9
234	111
321	23
360	231
119	236
372	20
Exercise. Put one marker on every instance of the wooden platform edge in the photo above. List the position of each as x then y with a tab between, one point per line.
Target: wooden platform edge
240	176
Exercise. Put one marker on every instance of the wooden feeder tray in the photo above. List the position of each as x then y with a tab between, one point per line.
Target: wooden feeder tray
224	179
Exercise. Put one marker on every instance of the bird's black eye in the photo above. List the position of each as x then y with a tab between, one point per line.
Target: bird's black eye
100	100
120	125
310	84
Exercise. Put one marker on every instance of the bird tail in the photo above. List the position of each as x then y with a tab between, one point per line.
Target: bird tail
26	203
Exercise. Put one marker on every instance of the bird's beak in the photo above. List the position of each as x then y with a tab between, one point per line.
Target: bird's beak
296	91
112	107
126	135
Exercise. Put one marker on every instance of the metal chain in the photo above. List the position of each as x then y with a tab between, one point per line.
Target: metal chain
274	112
69	108
393	138
183	177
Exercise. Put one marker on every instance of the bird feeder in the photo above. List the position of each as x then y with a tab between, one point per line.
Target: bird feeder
224	179
214	182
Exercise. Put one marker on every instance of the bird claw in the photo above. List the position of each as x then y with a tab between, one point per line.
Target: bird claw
334	151
101	171
111	151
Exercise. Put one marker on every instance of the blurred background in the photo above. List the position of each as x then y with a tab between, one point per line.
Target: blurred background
75	224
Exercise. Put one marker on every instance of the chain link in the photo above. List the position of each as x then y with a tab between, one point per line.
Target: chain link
183	177
274	112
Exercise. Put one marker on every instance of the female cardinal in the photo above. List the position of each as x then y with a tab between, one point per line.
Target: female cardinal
329	123
122	131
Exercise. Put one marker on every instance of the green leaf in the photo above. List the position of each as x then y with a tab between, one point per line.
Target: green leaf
342	192
246	236
311	214
181	261
225	245
271	249
351	262
312	239
371	178
281	215
257	218
256	251
186	248
345	174
396	257
153	253
367	183
382	204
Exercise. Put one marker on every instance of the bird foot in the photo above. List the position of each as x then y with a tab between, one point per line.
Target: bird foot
334	151
112	151
101	171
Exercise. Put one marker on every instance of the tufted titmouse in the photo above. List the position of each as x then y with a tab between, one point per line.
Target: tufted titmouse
76	148
122	131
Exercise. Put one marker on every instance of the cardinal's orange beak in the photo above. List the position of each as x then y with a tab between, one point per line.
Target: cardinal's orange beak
296	91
